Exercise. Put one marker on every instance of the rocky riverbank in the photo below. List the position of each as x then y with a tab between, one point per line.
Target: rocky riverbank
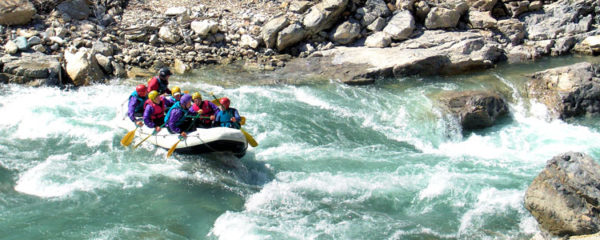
355	41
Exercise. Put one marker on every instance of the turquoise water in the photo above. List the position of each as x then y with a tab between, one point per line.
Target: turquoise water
334	162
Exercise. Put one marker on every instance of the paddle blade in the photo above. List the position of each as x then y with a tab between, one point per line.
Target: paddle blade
140	143
249	138
128	138
243	121
216	102
172	149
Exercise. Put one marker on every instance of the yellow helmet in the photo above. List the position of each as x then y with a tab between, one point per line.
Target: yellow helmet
175	89
152	95
196	95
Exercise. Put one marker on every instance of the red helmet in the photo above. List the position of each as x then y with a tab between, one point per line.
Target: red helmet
141	90
225	102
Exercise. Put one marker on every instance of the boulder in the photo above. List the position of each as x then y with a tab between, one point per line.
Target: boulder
377	25
179	67
564	198
346	32
32	67
475	109
16	12
76	9
481	5
169	34
440	17
401	26
512	29
11	47
560	19
247	41
568	91
372	10
323	15
270	30
22	43
481	20
378	40
103	48
204	27
105	63
82	66
290	35
590	45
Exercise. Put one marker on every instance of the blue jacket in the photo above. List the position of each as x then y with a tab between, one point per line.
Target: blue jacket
176	116
223	118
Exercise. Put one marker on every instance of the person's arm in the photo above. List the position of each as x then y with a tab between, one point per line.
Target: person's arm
131	108
236	115
148	116
214	108
176	114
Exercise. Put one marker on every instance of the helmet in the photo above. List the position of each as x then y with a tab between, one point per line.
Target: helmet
186	98
163	72
175	90
153	94
225	102
196	95
141	90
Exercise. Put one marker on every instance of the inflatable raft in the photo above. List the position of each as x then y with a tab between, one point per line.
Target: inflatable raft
203	140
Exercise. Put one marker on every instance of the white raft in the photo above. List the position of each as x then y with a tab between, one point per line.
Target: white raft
203	140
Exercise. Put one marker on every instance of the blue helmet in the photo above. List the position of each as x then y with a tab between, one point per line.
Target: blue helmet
186	98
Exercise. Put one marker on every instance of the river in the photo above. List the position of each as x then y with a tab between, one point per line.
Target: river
333	162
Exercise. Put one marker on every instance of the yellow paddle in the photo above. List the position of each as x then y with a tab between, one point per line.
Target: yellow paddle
172	149
249	137
128	138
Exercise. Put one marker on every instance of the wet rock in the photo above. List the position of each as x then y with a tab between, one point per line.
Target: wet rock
568	91
30	67
82	66
564	197
475	109
76	9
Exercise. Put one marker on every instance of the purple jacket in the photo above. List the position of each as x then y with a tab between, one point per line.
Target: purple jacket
136	105
177	115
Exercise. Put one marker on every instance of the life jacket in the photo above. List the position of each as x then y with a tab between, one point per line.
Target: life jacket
139	108
177	105
159	109
207	111
225	118
162	85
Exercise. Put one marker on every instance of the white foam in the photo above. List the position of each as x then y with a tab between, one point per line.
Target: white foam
233	226
491	201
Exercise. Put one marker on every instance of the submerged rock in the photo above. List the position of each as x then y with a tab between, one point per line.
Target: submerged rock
475	109
568	91
564	198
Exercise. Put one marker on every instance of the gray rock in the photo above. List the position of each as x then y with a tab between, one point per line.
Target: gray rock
11	47
204	27
563	45
440	17
560	19
39	48
299	6
481	5
568	91
169	34
481	20
401	26
103	48
270	30
76	9
176	11
374	9
82	67
512	29
421	10
378	40
346	32
35	40
405	4
290	35
30	67
22	43
564	197
377	25
16	12
590	45
247	41
118	69
475	109
323	15
105	63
